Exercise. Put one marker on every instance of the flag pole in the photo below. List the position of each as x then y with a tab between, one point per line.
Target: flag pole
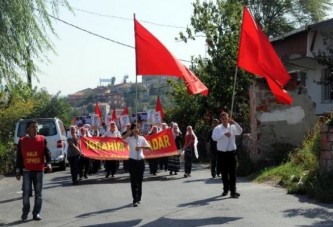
136	75
233	93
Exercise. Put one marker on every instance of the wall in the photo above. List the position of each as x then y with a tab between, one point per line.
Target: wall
275	126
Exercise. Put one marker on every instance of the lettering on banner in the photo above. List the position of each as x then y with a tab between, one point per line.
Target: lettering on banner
160	142
106	146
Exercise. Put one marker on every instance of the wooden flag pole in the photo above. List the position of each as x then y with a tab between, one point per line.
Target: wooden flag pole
136	76
233	93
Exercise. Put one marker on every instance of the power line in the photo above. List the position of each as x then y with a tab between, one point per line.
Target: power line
92	33
128	19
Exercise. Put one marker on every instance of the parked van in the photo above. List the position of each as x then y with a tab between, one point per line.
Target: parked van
55	134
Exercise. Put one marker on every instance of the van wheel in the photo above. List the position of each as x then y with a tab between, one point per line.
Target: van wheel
62	165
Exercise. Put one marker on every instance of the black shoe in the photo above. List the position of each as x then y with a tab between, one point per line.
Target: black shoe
135	204
37	217
24	217
85	177
170	172
185	175
213	176
75	182
234	195
107	175
224	193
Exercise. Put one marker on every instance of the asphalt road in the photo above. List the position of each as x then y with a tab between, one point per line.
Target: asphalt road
167	201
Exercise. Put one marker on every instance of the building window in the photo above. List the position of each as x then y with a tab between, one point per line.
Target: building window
327	85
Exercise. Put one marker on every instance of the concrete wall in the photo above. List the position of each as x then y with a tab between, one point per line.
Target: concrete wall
274	126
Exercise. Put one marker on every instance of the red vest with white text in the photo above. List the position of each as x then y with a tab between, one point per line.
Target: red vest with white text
33	151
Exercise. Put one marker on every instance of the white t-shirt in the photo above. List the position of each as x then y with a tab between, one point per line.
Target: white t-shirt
225	143
133	142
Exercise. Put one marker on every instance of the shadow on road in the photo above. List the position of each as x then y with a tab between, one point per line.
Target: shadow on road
173	222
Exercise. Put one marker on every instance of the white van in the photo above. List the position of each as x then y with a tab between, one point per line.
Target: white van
55	134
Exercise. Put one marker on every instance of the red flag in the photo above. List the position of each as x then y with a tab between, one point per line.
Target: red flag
153	58
98	113
113	115
257	55
159	107
125	111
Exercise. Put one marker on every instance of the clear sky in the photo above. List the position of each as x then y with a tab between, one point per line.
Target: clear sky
82	59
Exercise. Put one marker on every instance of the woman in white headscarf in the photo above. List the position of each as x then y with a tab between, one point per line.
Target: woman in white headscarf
173	161
190	148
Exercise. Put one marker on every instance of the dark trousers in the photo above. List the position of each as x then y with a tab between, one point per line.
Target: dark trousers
227	160
215	167
188	161
111	167
153	165
74	165
84	166
136	170
163	163
125	165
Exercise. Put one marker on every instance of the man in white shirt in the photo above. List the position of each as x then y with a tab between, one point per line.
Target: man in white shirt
225	136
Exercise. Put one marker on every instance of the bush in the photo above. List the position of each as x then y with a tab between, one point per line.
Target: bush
6	158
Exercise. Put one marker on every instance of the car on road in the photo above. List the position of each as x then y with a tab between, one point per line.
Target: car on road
55	134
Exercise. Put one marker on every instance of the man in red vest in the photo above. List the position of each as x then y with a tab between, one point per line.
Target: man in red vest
31	153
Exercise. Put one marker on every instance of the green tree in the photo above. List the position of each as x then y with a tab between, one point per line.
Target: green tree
24	25
279	17
51	106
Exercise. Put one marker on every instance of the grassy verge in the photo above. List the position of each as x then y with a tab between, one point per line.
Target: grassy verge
300	174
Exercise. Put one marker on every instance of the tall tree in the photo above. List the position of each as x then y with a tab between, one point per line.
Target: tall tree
279	17
24	25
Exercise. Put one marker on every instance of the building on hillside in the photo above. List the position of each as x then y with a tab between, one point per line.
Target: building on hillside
275	127
77	97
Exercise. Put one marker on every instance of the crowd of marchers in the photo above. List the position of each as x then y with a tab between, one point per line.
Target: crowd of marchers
33	151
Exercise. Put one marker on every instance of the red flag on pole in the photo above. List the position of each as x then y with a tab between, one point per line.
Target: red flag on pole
257	55
159	107
98	113
153	58
113	115
125	111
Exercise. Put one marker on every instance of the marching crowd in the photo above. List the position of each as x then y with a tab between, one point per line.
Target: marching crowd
222	146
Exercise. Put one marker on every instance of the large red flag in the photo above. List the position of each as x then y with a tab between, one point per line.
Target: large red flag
158	107
256	55
125	111
98	113
153	58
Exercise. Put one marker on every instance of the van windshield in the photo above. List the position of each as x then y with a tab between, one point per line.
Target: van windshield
45	128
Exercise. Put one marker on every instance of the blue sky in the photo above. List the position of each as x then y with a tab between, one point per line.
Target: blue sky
82	59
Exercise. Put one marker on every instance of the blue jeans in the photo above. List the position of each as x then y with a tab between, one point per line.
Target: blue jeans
35	178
